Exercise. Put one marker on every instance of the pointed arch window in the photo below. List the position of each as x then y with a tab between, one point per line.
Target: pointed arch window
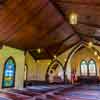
84	68
92	68
9	73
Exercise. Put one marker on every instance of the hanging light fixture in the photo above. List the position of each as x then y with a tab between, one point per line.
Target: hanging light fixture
73	18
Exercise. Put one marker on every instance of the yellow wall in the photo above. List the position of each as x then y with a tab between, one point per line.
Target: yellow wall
63	57
18	56
37	70
86	54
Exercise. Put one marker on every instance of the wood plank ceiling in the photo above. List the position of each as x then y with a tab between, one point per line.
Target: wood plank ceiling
32	24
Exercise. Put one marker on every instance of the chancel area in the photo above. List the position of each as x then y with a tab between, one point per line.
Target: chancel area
49	50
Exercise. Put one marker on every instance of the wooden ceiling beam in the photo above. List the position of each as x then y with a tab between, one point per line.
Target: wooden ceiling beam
78	2
66	48
64	16
94	42
87	15
48	53
56	47
89	35
89	24
52	30
61	43
2	2
90	38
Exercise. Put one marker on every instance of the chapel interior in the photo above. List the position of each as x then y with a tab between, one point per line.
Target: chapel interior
49	50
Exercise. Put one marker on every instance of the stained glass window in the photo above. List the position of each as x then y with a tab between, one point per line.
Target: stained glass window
84	68
9	73
92	68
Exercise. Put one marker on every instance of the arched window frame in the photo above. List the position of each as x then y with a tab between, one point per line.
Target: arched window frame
81	68
50	65
95	66
4	72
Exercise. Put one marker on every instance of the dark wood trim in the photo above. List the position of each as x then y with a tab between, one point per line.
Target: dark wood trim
94	42
64	17
66	62
71	53
32	55
69	47
61	43
79	3
89	35
57	45
49	54
89	24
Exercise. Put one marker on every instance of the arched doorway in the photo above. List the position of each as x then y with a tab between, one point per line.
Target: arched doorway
55	72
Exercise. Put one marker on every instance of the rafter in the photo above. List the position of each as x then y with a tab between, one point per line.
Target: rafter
61	43
89	24
64	16
60	52
78	2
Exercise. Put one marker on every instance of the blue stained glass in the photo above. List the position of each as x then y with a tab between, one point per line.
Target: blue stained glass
9	73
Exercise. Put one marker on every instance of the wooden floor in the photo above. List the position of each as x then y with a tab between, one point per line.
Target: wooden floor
53	92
